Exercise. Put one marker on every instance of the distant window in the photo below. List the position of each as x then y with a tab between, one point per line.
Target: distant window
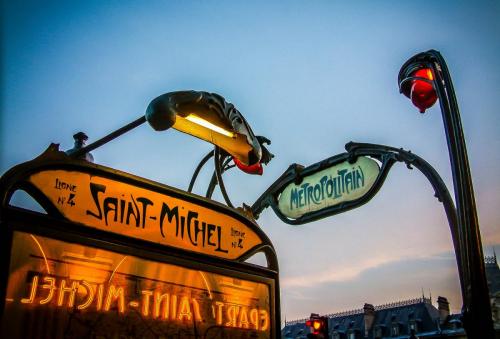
455	324
395	330
413	326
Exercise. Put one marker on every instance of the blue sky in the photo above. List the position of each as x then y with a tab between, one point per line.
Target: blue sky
310	76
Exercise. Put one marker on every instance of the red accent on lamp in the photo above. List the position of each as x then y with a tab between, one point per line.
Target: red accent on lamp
250	169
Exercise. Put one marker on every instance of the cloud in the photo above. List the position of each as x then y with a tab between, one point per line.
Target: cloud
376	281
344	273
352	271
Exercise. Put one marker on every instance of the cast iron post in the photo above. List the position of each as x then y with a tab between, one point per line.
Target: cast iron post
476	309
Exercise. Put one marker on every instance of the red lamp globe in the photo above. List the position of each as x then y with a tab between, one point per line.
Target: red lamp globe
422	94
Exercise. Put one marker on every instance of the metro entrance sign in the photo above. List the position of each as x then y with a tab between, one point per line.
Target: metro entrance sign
329	187
343	182
116	206
117	255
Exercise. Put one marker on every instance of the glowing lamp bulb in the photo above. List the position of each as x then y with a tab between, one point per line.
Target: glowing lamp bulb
316	325
423	95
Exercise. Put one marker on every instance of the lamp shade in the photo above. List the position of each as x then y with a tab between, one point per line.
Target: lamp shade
209	117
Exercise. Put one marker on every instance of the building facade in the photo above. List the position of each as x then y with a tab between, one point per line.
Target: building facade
493	277
393	320
403	318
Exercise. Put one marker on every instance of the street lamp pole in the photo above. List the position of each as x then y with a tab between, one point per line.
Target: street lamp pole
476	309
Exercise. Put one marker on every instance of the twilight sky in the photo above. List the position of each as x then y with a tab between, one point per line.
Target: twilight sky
311	76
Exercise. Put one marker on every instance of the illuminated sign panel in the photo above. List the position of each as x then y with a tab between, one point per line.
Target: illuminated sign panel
59	290
329	187
133	211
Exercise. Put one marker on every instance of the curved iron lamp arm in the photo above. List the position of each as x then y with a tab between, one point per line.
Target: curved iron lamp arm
218	172
198	169
221	165
266	198
388	156
440	189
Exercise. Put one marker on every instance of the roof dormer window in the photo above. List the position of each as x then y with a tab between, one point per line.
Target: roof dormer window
394	326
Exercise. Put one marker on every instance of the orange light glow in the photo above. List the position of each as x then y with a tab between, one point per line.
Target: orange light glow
112	274
71	290
429	74
174	306
231	316
254	318
206	284
185	309
43	253
90	295
100	297
264	318
82	294
145	302
51	286
218	314
95	283
197	313
158	301
34	284
115	293
243	318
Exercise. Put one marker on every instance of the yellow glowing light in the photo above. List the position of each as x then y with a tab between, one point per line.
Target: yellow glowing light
429	74
202	122
197	313
218	317
100	295
264	317
121	262
206	284
159	298
145	302
185	309
83	294
34	285
51	286
115	293
174	306
71	290
254	318
90	295
231	315
43	253
243	318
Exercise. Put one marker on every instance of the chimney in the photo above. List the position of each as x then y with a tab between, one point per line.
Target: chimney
369	315
444	308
